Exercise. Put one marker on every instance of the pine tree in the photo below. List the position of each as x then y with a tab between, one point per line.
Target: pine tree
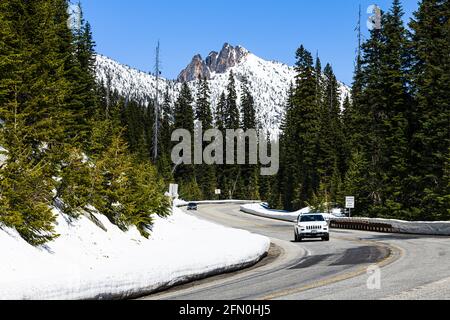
112	182
232	118
146	197
330	137
319	81
232	172
33	91
354	183
428	188
250	176
167	122
25	189
205	174
301	134
83	100
394	110
369	125
184	119
75	185
220	112
220	125
203	106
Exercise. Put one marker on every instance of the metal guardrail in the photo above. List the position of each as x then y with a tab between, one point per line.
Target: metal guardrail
361	225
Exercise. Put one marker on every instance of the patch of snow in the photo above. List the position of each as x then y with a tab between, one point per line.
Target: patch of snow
262	211
3	155
86	262
259	210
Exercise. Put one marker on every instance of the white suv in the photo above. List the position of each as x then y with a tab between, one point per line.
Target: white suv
311	225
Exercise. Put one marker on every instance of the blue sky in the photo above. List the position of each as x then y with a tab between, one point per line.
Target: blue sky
128	31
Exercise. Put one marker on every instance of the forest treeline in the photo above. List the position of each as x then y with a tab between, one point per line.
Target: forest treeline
73	143
389	146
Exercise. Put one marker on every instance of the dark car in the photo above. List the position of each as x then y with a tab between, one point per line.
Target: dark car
192	206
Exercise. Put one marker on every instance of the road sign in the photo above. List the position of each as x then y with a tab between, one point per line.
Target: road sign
350	202
173	190
218	191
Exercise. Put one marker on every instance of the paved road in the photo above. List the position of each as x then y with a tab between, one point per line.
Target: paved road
347	267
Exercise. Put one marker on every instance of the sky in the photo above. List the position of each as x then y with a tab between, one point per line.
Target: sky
128	31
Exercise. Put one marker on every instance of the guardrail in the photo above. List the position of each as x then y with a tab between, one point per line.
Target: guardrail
441	228
361	225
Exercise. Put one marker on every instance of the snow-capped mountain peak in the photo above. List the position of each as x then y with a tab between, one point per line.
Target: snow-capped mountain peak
215	62
269	81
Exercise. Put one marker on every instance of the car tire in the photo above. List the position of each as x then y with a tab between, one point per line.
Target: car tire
326	238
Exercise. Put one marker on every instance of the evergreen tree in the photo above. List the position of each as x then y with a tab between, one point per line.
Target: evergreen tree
231	173
50	117
205	174
32	104
301	134
75	186
354	183
394	110
250	173
288	162
220	125
220	112
166	128
146	196
369	124
232	118
184	119
82	100
330	137
428	186
25	189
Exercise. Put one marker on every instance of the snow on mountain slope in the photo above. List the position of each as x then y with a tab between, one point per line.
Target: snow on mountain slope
269	82
131	82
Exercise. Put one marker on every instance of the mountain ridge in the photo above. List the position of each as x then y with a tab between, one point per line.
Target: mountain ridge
269	81
215	62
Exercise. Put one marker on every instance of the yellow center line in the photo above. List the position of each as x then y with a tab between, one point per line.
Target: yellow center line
394	254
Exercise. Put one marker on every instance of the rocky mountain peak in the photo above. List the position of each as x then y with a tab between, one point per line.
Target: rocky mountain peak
216	62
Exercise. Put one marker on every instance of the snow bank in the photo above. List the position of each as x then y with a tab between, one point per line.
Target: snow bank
262	211
438	228
86	262
420	227
258	210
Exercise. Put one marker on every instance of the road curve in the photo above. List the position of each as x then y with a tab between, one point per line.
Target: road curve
409	267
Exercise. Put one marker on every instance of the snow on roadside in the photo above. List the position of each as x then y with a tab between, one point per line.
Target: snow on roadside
440	228
86	262
183	203
259	210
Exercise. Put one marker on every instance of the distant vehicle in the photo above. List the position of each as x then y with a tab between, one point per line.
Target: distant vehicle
192	206
312	225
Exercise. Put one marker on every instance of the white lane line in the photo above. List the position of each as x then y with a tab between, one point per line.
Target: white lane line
436	290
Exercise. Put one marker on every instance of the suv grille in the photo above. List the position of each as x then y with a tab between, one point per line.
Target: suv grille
313	227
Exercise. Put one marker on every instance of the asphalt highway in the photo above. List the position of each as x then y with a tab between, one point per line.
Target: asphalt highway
354	265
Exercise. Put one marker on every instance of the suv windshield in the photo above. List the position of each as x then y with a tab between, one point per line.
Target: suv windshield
312	218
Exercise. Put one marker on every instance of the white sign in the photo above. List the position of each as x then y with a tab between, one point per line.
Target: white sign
350	202
173	190
218	191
